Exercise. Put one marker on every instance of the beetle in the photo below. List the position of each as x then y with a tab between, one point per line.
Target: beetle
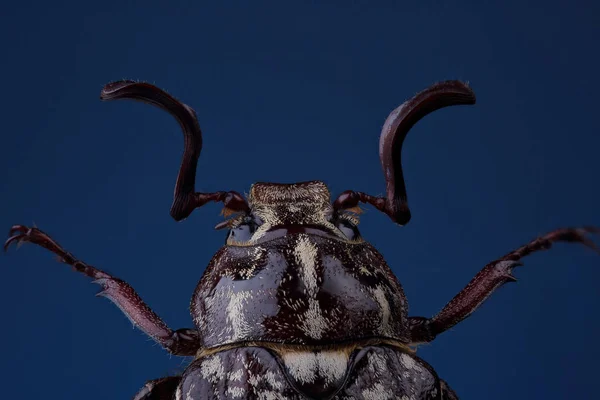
297	304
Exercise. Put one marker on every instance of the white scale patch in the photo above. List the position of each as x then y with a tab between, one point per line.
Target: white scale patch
378	392
212	369
410	362
271	378
384	311
235	376
188	395
272	382
313	322
236	392
248	269
270	395
307	367
376	363
235	314
306	257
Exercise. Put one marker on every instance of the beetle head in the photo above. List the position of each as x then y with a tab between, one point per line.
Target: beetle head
281	209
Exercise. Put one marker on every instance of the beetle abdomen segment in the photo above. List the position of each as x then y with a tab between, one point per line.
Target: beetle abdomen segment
372	372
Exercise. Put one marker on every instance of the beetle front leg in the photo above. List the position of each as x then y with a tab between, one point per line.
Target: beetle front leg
183	342
491	277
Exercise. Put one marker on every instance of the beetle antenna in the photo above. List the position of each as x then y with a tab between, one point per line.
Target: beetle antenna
185	198
395	129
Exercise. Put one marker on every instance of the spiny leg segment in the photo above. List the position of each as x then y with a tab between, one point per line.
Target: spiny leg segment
491	277
182	342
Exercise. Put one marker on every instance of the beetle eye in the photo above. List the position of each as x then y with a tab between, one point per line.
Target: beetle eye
243	231
348	229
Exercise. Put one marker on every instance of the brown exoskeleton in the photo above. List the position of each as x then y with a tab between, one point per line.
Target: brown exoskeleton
296	304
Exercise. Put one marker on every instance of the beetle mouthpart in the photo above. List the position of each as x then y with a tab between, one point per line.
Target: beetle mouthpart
185	198
396	127
355	210
230	222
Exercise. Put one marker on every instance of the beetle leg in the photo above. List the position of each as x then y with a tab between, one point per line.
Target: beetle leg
159	389
183	342
491	277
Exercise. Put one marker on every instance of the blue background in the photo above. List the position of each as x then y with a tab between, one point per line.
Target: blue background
293	91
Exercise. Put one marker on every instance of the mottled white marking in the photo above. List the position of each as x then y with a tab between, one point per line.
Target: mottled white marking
248	268
313	323
235	376
272	380
235	314
271	383
188	395
378	392
410	362
407	361
307	367
269	377
178	393
236	392
269	395
256	253
212	369
267	193
332	365
305	254
302	366
384	311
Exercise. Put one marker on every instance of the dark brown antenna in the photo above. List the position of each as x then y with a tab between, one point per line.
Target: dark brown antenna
185	198
395	129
